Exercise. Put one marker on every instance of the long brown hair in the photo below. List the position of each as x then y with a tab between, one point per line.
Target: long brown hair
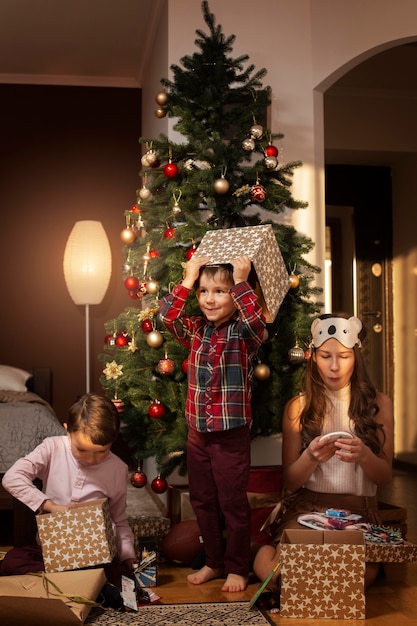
363	407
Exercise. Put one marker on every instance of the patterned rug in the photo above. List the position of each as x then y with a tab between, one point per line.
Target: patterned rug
210	614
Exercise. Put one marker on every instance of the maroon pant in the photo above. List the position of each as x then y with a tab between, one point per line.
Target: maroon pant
218	466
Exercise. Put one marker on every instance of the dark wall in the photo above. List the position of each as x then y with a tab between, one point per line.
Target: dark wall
66	154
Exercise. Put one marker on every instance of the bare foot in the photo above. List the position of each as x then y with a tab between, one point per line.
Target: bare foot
234	582
204	574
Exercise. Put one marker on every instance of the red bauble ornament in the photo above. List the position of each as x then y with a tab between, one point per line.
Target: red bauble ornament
271	150
166	366
108	338
171	170
142	287
156	410
154	254
159	485
138	479
258	193
307	354
184	365
131	283
134	295
169	233
146	325
122	340
190	252
119	404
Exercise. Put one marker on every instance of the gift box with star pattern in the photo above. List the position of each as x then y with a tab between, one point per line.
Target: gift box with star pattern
260	245
322	574
80	537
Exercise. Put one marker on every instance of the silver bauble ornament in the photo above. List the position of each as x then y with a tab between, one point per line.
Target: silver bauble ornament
296	354
145	193
271	162
256	131
151	157
248	144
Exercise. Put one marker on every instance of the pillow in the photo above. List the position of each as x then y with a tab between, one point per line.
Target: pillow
13	378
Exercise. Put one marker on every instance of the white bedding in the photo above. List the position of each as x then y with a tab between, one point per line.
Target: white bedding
23	426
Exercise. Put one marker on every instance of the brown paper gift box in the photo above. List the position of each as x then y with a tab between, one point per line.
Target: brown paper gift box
148	526
80	537
386	553
322	574
41	609
260	245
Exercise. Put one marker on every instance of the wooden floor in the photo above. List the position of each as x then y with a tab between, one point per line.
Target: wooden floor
390	602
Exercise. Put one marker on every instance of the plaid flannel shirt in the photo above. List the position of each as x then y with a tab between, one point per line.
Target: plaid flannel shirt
220	364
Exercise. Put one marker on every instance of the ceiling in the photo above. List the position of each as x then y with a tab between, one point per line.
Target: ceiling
77	42
108	43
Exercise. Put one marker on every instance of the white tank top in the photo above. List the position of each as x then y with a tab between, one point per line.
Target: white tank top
335	476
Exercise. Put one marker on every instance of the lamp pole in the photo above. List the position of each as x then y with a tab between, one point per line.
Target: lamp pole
87	348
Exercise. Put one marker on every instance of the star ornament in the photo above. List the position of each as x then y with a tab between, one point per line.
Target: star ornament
113	370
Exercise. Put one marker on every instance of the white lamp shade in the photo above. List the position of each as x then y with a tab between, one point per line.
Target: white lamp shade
87	262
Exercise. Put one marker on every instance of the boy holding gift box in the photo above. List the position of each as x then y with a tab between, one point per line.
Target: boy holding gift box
223	343
77	467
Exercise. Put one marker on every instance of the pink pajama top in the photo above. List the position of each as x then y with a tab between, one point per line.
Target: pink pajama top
64	480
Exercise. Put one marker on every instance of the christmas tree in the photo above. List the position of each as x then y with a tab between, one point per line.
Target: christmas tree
226	172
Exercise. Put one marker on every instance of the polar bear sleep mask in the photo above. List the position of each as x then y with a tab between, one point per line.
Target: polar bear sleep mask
346	331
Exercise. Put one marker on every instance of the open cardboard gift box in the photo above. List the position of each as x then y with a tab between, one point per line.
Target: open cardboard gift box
43	604
260	245
80	537
322	574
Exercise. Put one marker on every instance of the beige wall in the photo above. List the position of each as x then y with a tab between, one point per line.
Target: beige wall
306	45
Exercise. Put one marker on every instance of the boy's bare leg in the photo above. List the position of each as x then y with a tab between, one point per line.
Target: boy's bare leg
204	574
234	582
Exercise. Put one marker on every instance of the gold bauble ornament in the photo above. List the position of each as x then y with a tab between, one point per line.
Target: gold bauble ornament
160	112
161	98
294	281
128	236
154	339
221	185
152	286
262	371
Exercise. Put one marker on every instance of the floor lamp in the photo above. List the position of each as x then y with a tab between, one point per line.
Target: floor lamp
87	272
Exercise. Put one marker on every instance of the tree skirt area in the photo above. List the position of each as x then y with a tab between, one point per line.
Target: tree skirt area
209	614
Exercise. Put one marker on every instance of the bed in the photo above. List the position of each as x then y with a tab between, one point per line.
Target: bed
26	416
26	419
